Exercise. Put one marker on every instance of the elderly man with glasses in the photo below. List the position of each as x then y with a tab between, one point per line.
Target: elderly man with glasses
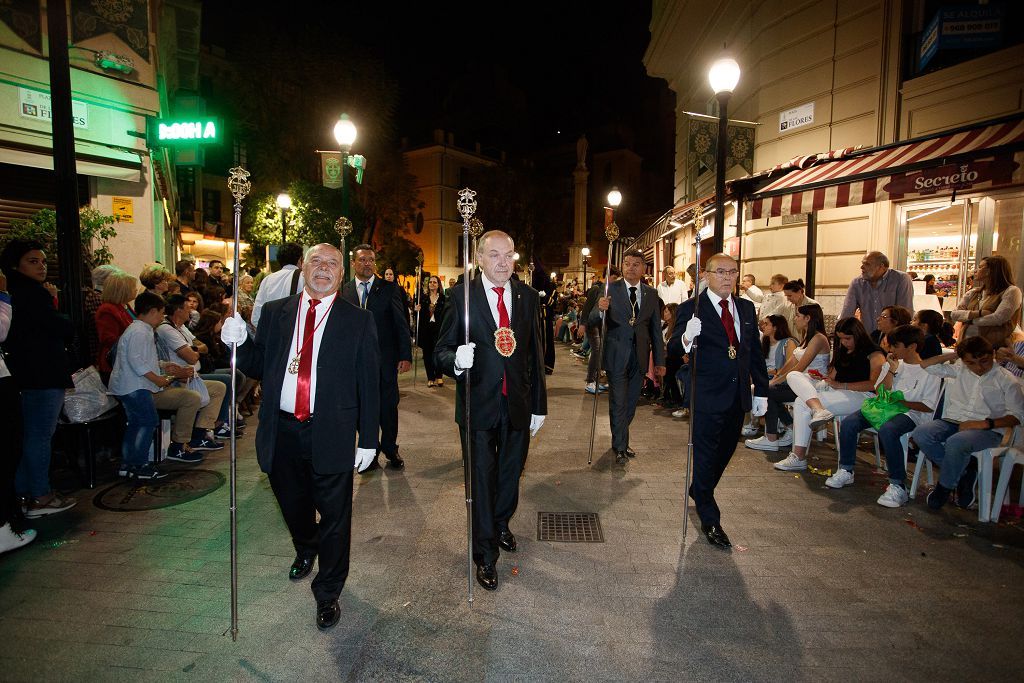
727	360
877	287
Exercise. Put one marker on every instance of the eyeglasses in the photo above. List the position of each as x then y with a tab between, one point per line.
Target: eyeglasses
722	272
884	315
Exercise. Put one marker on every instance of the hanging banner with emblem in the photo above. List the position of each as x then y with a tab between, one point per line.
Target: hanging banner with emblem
330	169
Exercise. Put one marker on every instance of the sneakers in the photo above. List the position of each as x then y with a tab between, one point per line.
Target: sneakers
11	539
763	444
183	453
840	479
682	412
750	430
820	418
224	432
791	463
938	497
594	387
56	503
204	443
895	496
966	494
581	356
145	472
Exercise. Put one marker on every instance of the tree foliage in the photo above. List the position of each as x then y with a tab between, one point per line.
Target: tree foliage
97	229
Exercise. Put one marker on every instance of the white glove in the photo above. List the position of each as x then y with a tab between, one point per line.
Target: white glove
692	328
759	406
536	422
464	356
234	330
364	457
543	294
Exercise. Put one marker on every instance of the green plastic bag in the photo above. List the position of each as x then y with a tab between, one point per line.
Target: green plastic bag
883	406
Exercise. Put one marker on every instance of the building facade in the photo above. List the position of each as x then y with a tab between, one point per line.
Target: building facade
824	83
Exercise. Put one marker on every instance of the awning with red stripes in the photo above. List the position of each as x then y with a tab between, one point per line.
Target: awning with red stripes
972	159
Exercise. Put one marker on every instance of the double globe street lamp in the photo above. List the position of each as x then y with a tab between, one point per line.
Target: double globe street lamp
723	77
345	135
284	203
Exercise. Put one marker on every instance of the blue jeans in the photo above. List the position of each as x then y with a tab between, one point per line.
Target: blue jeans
40	409
138	434
945	445
888	436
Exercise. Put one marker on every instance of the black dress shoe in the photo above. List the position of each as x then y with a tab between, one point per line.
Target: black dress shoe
395	461
301	568
487	576
507	540
374	465
630	452
328	612
621	458
716	535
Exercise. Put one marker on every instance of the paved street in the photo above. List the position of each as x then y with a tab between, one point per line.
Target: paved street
822	584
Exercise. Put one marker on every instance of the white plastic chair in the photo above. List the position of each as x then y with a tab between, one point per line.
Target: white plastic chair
1012	456
986	464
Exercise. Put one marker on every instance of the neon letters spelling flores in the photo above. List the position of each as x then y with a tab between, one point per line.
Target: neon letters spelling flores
193	130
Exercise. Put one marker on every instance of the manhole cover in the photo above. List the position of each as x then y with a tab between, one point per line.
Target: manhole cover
569	527
179	486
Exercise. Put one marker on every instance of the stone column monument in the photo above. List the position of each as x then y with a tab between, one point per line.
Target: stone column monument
579	222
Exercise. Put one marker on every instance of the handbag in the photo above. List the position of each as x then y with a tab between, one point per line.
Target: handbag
196	384
883	406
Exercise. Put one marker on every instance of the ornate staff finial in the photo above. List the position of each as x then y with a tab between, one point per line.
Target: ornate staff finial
476	227
698	217
238	183
611	232
466	204
419	258
343	227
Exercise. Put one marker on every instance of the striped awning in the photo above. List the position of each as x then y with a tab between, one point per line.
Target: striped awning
971	159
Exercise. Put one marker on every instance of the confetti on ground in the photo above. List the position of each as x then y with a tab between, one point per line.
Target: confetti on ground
998	546
741	548
515	570
824	473
558	482
57	544
956	535
407	604
92	533
911	523
796	476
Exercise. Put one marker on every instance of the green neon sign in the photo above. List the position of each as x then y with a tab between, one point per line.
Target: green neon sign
198	131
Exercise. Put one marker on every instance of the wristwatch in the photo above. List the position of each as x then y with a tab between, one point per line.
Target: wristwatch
991	422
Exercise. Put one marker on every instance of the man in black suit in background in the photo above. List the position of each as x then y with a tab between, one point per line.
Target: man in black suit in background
317	356
508	393
633	332
727	360
384	299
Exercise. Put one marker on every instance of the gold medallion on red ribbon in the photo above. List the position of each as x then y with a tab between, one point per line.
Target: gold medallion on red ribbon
505	341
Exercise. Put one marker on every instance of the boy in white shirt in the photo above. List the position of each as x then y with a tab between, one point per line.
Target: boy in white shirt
983	401
920	394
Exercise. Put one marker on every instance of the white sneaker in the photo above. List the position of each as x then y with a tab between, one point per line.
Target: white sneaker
682	412
11	539
750	430
785	440
820	418
840	479
762	444
894	496
791	463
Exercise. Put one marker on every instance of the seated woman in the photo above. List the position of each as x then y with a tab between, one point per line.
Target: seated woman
890	318
114	316
931	324
920	395
144	385
811	357
857	368
778	346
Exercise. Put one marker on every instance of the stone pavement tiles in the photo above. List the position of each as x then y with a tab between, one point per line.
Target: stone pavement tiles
827	584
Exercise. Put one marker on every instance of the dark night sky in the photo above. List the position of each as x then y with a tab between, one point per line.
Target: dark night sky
507	74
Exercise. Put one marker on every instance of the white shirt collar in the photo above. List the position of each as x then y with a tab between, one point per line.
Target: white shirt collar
369	282
325	301
489	286
715	299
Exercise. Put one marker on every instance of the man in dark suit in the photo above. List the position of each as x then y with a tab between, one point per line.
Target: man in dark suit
508	394
727	360
384	299
318	359
633	333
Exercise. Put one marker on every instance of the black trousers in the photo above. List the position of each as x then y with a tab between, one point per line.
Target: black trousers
301	492
623	394
714	440
389	412
10	409
778	396
594	334
499	455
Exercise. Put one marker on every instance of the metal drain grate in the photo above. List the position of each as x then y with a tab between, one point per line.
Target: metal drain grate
569	527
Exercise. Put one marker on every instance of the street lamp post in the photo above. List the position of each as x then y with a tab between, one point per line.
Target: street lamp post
284	202
585	252
345	135
614	199
723	76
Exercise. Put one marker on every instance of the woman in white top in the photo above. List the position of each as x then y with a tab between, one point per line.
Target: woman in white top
811	357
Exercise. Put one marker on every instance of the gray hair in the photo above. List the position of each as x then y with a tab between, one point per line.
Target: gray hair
100	274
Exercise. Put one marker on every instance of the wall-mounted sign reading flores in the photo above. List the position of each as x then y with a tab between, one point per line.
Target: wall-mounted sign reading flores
204	130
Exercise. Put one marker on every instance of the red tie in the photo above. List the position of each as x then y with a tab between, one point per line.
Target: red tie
729	322
502	322
305	364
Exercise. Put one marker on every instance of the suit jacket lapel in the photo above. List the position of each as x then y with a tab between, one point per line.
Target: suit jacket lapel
480	308
349	292
289	315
